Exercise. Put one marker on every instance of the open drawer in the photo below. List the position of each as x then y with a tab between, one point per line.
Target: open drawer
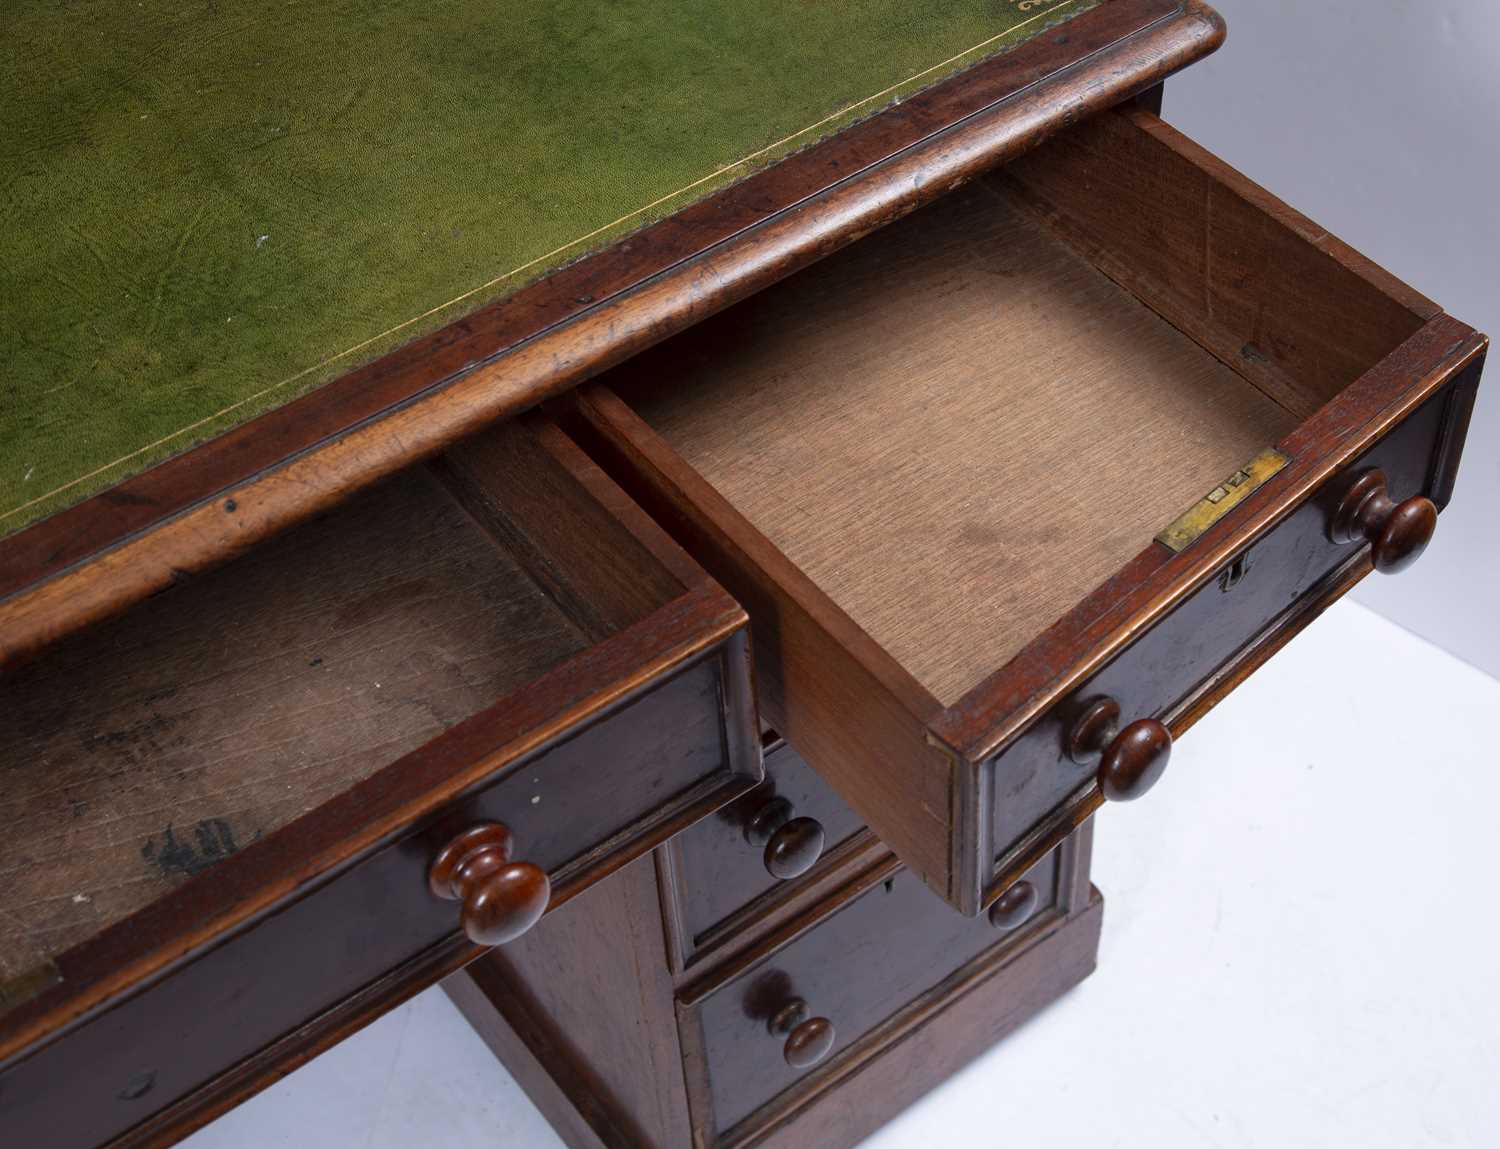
232	812
946	471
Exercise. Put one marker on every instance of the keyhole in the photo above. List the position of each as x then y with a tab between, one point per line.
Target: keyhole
1235	572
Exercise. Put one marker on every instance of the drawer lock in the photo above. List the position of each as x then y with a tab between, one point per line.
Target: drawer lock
1229	494
1234	574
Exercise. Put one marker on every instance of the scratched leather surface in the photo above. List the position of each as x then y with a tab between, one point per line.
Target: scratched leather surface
208	209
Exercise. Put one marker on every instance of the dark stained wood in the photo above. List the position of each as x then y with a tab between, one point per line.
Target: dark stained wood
1135	760
344	931
1164	646
1456	418
593	762
881	942
931	1040
293	1050
794	848
486	999
572	1027
854	413
721	901
1398	533
745	903
499	899
971	790
1093	730
808	1039
792	844
841	699
211	503
580	1010
1014	908
221	712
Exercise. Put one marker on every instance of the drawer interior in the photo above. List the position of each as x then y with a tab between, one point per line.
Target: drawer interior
142	753
960	426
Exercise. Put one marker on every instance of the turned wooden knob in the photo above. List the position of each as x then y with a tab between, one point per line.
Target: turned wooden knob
1093	730
501	899
808	1039
1134	761
1014	908
1398	533
792	845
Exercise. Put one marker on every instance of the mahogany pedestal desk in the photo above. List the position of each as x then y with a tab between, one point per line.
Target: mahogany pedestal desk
672	518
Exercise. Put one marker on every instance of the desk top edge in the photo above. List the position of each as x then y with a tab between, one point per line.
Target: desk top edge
203	506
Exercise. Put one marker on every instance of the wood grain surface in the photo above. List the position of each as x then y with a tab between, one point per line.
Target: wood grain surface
590	997
144	753
1293	309
957	428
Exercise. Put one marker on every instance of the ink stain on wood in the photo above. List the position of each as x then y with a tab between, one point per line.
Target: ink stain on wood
148	733
212	842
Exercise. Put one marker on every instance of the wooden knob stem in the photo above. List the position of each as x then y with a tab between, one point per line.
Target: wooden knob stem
1398	533
1134	761
808	1039
500	899
1013	909
792	845
1093	730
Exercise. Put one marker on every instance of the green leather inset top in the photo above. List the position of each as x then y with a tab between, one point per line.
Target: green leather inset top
207	209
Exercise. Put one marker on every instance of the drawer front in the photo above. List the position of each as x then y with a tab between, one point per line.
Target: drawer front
1037	788
602	795
854	968
723	866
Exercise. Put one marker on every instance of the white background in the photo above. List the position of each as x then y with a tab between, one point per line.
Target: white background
1380	119
1299	940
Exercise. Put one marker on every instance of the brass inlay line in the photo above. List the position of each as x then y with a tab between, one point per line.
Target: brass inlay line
555	252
